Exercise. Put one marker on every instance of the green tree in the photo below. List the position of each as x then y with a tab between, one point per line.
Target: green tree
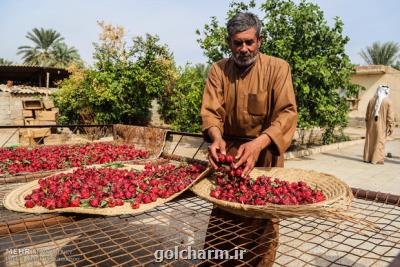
120	86
180	106
397	65
63	56
299	34
378	54
48	49
5	61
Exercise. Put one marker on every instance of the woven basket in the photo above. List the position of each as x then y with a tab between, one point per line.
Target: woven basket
338	195
14	200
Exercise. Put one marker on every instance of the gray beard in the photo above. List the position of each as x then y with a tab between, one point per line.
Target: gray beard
247	62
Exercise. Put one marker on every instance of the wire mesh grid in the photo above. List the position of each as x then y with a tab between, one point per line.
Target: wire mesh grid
188	231
188	224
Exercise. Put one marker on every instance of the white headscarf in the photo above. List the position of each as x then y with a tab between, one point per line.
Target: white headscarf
381	92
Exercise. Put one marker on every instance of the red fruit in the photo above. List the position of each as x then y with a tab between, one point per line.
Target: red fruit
111	203
85	194
119	202
243	188
59	204
259	202
242	199
154	182
27	197
155	190
128	194
238	172
221	158
94	202
29	204
262	192
35	198
143	186
153	197
146	199
135	205
215	193
181	187
75	202
229	159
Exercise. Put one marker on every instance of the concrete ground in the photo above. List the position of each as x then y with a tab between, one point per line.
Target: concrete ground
347	164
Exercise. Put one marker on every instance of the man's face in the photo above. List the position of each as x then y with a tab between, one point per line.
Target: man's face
244	46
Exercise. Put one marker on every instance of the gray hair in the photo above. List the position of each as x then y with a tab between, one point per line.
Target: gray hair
242	22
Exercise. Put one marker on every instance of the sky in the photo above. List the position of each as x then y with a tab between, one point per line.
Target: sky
175	22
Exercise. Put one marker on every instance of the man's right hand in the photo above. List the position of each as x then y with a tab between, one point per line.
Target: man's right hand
218	145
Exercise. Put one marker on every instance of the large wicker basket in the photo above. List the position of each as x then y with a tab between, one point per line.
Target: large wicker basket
338	195
14	200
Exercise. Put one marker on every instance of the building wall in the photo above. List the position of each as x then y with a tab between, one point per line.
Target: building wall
11	108
371	82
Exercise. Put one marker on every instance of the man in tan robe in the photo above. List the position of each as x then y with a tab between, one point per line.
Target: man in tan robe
379	122
249	95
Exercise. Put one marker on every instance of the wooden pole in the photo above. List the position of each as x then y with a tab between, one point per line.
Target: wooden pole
47	84
47	79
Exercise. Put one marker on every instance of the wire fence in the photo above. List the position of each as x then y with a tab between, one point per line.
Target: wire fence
188	231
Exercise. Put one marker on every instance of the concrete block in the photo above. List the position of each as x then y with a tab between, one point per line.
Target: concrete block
18	122
32	104
48	104
41	122
46	115
27	113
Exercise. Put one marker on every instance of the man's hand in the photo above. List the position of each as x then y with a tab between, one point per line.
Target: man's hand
249	152
218	145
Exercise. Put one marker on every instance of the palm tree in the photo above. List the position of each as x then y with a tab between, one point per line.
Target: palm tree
5	61
202	69
48	50
40	53
378	54
64	55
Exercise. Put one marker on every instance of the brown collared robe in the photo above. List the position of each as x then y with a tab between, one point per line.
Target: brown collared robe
248	103
377	130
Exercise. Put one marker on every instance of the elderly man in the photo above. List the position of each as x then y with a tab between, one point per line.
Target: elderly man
249	95
379	122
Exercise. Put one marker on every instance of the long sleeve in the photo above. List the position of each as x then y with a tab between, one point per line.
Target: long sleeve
212	108
284	113
390	118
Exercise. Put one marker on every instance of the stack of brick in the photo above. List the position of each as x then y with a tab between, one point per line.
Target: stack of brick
37	112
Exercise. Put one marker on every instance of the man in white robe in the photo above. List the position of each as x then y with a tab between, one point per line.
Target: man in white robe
379	122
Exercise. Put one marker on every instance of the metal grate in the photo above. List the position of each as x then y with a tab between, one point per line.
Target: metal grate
178	225
189	222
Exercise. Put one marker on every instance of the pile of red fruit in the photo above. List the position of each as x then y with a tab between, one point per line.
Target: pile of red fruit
110	187
44	158
233	187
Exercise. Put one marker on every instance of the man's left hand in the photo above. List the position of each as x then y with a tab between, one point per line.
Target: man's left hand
248	152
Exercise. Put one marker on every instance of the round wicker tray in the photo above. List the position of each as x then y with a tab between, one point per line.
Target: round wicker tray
14	200
338	195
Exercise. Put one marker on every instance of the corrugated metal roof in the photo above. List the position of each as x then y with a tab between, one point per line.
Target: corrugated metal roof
24	89
31	75
25	67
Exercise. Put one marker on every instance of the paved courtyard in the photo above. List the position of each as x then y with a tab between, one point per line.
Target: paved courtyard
347	164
